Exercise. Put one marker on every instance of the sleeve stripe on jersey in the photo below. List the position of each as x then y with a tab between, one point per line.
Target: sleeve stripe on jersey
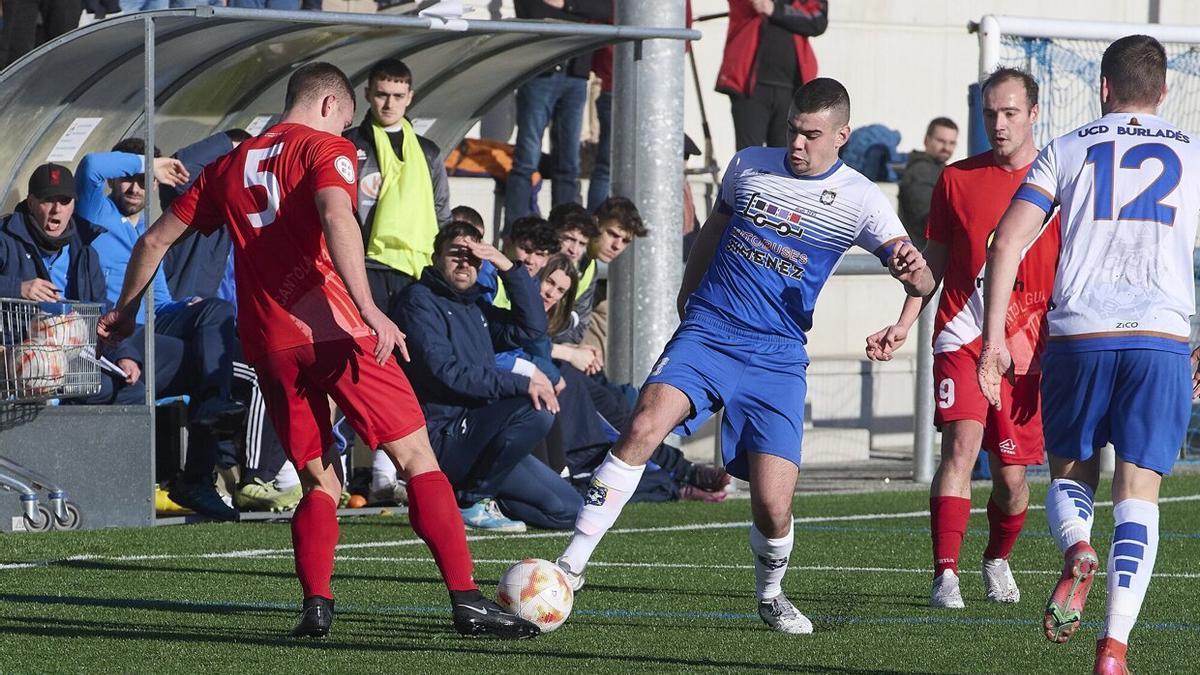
1035	195
886	248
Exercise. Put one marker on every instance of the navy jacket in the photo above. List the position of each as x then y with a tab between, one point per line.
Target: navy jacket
196	265
453	338
21	261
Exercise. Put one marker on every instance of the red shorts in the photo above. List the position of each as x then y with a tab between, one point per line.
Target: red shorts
1014	433
297	384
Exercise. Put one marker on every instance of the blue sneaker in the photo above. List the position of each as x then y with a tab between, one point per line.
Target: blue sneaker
485	515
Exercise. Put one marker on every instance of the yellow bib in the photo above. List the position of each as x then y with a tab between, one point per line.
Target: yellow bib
405	217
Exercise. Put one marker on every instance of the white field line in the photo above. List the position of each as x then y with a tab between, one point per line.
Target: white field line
702	566
264	552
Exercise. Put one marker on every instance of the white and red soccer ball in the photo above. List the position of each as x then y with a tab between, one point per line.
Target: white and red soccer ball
538	591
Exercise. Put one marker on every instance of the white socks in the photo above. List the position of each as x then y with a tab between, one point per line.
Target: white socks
612	485
770	560
1069	511
383	471
287	478
1130	564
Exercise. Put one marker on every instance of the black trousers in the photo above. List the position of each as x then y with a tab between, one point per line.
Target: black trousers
762	117
479	449
386	284
21	31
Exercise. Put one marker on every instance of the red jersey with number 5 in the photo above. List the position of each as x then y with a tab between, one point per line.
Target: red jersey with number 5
288	292
968	201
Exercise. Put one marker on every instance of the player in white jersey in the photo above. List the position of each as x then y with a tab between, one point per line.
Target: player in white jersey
785	218
1116	365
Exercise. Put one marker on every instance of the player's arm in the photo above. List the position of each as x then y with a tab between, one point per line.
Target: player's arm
883	344
344	239
702	254
1018	228
908	266
147	254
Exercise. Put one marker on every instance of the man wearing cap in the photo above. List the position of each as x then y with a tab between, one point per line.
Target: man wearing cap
43	258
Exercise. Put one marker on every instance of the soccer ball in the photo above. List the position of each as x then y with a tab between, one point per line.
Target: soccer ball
538	591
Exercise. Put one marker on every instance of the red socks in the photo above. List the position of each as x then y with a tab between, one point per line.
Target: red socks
435	518
314	536
948	523
1003	530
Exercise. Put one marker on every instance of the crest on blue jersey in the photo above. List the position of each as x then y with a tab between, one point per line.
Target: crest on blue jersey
765	214
827	197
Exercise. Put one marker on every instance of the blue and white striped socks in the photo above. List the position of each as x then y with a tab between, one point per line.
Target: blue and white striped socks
1069	511
1130	564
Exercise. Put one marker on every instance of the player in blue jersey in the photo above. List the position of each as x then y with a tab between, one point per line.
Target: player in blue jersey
1116	365
785	217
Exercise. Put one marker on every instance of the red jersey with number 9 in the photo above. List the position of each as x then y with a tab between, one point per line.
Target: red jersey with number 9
288	292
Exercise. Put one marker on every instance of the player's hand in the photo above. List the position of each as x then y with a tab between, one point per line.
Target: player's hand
170	171
597	358
1196	372
882	345
541	392
114	327
906	263
133	372
387	333
556	4
485	251
763	6
40	290
995	363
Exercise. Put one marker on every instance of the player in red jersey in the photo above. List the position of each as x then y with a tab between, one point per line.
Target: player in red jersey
312	331
969	200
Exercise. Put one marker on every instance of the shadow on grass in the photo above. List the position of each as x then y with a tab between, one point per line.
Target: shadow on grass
58	627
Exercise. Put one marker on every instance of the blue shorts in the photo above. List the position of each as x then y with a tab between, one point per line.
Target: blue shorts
1140	400
758	379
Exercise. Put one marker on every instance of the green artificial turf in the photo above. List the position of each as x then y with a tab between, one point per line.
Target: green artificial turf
223	597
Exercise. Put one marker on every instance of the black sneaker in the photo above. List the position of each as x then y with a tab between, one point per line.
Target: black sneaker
222	415
483	617
203	499
316	617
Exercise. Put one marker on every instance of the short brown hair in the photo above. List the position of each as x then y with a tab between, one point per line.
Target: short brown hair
573	216
624	212
390	69
1005	74
944	122
1136	69
315	81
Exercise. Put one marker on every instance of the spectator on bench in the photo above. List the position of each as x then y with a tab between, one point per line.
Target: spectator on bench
530	241
196	358
403	192
43	259
921	174
618	223
483	421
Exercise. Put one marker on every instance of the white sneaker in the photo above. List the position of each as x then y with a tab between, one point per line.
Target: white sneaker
387	493
576	580
998	581
780	614
945	592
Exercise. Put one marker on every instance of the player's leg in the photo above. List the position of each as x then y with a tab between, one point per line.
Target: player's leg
660	408
950	507
1076	392
1006	511
960	414
1013	440
381	407
300	416
772	487
1154	400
